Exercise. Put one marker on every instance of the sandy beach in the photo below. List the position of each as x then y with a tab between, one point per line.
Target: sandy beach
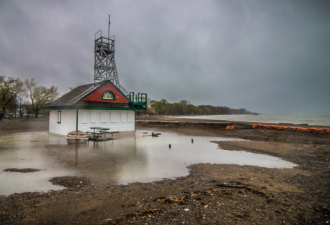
210	194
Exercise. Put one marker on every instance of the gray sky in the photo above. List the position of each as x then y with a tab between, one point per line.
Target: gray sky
263	55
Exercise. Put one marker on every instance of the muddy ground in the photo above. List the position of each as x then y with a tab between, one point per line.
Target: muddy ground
210	194
23	170
8	126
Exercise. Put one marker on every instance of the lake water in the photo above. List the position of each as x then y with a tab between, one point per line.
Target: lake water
322	119
135	159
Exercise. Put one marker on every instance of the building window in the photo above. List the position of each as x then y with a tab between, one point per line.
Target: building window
108	95
58	116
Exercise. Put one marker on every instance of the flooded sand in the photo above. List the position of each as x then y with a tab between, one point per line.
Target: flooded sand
213	193
135	159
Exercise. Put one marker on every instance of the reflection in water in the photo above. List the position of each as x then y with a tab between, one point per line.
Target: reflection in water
135	159
23	150
77	154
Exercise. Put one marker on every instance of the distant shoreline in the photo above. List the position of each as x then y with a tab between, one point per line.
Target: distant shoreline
317	119
242	118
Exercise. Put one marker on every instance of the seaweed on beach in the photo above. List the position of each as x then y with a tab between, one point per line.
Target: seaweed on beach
24	170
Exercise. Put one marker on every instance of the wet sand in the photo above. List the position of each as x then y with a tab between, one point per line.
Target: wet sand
210	194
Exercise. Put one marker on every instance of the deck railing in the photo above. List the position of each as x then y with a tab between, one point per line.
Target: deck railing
139	101
103	43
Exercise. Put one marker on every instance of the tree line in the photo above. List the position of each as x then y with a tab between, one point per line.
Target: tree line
26	95
184	107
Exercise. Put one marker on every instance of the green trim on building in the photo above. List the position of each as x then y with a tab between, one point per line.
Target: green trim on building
133	105
59	116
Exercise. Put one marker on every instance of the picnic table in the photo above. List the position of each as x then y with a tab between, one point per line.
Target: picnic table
99	132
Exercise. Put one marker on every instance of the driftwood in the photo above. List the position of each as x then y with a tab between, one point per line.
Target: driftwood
298	129
153	134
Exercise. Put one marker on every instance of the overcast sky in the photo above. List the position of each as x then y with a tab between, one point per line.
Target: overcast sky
263	55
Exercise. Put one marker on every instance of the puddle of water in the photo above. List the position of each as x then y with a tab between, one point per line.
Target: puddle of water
136	159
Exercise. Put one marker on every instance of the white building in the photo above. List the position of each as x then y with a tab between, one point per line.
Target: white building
99	104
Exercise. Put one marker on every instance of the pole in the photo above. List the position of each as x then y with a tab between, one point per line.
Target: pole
77	121
109	29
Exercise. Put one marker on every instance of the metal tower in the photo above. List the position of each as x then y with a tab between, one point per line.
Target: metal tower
104	61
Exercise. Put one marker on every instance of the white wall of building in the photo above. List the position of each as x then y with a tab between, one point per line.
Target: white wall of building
68	121
116	120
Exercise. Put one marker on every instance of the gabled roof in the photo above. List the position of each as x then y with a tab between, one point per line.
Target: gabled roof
75	98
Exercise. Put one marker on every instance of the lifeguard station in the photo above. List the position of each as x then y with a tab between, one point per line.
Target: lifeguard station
103	104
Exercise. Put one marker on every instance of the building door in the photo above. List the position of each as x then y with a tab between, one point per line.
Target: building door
114	121
123	121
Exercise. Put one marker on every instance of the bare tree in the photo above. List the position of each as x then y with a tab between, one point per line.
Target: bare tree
164	101
9	89
39	95
185	102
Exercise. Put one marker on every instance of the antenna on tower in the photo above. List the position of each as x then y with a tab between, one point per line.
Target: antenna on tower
109	29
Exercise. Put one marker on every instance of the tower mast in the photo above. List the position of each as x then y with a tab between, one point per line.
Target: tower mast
104	59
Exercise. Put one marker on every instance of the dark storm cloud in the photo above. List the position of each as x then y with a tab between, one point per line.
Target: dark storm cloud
266	56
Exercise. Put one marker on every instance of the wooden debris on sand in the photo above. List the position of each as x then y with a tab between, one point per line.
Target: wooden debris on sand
298	129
